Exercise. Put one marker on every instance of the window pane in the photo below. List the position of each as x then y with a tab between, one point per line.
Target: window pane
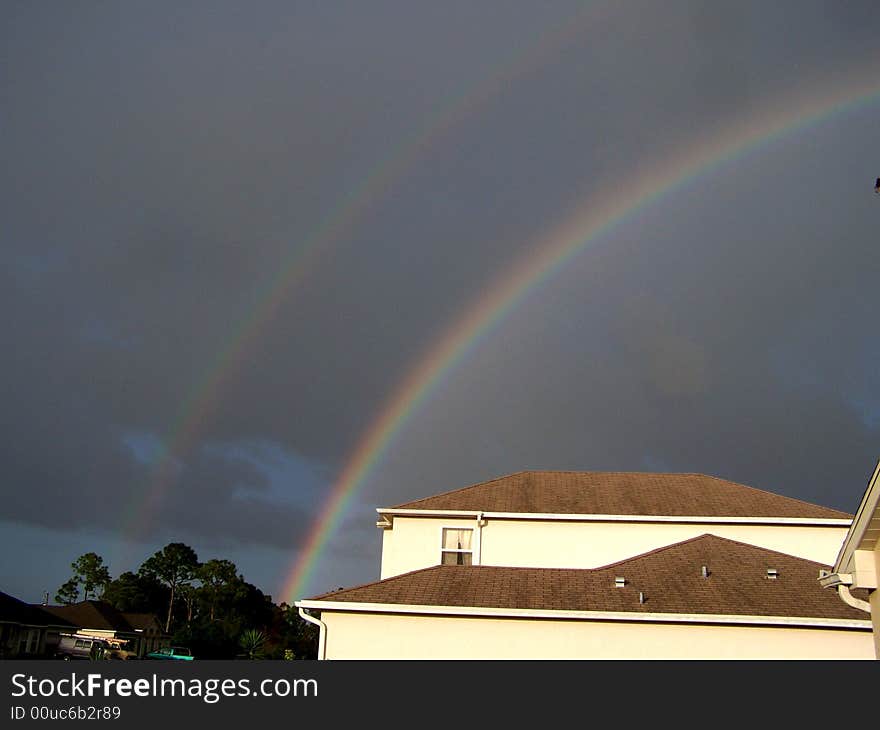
456	559
457	539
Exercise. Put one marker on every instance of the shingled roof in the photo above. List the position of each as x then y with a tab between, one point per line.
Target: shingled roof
669	578
142	621
97	615
621	493
12	610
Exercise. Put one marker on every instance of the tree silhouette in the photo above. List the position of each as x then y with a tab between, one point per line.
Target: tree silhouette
215	576
140	593
174	565
68	593
225	616
89	571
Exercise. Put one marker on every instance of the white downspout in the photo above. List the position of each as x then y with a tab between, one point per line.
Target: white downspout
480	523
849	598
322	631
842	582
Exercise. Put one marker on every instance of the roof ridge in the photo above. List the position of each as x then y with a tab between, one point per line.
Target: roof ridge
633	558
703	537
525	568
774	503
609	472
486	482
657	550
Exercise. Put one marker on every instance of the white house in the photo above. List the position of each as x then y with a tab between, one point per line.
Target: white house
599	564
857	567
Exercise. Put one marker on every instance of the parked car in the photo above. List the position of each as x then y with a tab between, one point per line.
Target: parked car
119	649
81	646
172	652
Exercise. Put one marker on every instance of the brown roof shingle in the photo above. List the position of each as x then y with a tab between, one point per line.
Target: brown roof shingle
142	620
13	610
97	615
670	579
621	493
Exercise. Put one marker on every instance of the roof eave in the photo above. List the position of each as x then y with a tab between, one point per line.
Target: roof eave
388	513
869	509
574	615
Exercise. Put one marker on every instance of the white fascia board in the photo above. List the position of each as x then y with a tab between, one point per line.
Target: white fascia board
564	517
869	506
386	512
531	613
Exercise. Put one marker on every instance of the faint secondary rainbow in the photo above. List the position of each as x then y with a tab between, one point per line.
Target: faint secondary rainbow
613	205
196	407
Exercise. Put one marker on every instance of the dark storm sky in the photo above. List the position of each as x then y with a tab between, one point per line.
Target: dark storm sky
161	163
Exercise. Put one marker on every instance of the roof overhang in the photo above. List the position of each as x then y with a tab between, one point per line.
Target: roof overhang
387	515
555	614
857	553
31	625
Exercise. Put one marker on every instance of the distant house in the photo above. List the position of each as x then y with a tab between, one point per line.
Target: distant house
151	634
857	567
28	631
598	565
98	618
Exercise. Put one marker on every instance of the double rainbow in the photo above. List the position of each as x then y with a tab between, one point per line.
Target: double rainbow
599	214
340	221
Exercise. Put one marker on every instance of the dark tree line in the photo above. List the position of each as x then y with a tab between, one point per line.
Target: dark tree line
208	606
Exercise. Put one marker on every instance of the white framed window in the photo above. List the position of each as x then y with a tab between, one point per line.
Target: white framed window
28	641
457	546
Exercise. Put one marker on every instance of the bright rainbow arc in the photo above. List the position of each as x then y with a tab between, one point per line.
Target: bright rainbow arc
612	206
196	408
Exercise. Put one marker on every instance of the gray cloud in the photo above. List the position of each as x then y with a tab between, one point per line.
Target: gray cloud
163	166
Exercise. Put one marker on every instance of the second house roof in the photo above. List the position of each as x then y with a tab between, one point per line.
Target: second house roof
739	579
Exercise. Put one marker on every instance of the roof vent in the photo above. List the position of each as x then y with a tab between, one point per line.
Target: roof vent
772	574
641	597
619	582
705	571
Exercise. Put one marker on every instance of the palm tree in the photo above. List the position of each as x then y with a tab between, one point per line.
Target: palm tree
252	641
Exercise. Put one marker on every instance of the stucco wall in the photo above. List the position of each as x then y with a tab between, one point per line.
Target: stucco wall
414	542
389	636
